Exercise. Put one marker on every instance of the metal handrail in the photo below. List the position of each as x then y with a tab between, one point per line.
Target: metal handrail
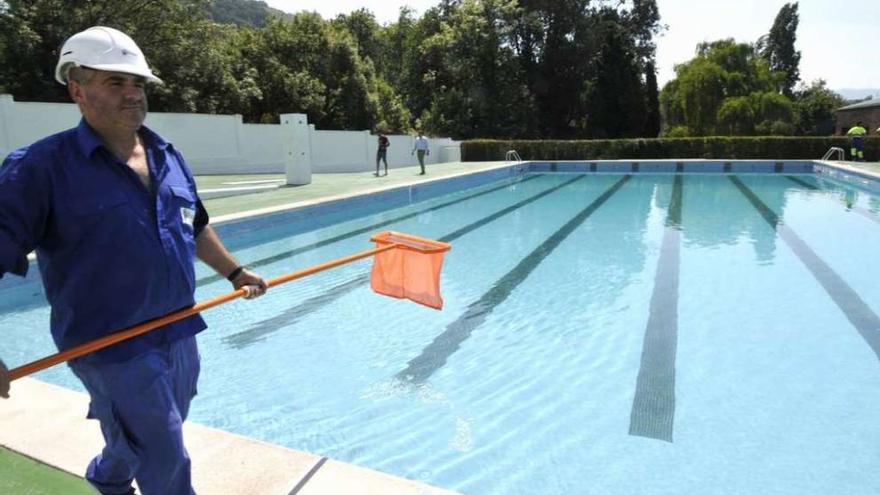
512	155
831	152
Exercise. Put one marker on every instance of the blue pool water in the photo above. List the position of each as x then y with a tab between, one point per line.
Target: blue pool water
602	334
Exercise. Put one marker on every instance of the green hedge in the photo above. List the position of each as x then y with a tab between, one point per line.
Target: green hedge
787	148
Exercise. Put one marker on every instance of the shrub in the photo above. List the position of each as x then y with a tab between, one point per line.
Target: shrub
717	147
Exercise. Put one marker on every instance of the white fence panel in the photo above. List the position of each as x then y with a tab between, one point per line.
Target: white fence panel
223	144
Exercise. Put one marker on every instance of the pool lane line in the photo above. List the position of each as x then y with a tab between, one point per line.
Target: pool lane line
653	408
260	330
858	209
363	230
853	307
802	183
263	328
299	486
435	355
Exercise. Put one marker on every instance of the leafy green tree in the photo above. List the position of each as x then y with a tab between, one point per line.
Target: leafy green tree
479	92
186	50
652	102
362	26
736	117
251	13
722	70
616	100
777	47
815	105
557	52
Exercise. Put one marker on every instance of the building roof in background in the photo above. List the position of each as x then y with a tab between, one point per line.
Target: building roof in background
862	104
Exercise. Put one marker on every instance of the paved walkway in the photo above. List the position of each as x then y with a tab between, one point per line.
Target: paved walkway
322	187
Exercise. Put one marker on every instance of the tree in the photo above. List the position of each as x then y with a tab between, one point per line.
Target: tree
652	103
815	105
777	47
239	12
616	98
185	49
692	103
480	90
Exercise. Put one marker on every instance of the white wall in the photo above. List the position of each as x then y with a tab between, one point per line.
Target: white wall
260	143
338	151
223	144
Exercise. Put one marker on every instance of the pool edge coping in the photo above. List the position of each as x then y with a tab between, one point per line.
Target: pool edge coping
48	423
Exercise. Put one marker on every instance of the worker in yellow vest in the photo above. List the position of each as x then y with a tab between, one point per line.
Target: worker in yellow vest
856	135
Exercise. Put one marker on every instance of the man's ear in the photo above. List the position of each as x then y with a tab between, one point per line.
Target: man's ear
75	90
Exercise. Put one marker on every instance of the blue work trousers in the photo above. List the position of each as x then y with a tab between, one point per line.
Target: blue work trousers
141	405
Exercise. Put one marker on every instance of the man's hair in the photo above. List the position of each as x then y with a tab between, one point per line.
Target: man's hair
80	75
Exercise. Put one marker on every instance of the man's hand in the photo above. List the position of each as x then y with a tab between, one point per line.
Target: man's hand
4	381
253	284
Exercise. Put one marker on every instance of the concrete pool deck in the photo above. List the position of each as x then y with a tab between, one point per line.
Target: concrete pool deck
47	423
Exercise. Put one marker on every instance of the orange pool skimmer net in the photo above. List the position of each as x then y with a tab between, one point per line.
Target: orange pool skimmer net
405	267
409	271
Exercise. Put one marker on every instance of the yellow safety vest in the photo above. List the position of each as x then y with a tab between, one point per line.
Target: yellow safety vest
856	131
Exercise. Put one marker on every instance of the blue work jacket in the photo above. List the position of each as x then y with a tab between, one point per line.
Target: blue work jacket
112	253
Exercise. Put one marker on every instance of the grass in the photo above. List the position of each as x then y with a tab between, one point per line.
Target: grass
24	476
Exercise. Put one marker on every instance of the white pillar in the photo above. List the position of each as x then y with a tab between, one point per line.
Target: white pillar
367	154
297	148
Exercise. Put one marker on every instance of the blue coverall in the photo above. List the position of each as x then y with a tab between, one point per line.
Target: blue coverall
113	253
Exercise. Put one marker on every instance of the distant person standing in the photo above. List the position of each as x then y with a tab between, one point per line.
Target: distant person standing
420	149
856	135
382	152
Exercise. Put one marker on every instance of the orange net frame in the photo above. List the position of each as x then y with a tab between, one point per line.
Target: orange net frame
409	271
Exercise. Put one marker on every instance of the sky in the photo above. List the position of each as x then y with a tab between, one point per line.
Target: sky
837	40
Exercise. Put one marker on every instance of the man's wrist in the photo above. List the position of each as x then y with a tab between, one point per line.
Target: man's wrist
235	273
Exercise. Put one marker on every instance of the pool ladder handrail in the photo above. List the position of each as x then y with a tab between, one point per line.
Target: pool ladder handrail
512	155
832	151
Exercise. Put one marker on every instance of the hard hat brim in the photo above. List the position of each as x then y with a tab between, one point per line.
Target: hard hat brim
122	68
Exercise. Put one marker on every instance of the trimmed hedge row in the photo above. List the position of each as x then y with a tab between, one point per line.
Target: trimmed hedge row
718	148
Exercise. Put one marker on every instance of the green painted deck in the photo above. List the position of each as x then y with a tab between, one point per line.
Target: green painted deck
23	475
322	185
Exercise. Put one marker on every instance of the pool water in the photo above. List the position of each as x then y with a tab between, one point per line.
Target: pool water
602	334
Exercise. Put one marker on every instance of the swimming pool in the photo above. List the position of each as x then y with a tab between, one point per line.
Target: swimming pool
603	333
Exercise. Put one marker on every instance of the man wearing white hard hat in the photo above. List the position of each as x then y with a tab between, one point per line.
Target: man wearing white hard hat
112	211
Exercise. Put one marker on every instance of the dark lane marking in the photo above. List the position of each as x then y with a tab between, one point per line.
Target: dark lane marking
341	237
802	183
435	355
500	213
653	409
258	331
861	211
854	308
299	486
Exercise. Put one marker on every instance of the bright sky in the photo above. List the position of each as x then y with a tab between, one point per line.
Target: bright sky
837	39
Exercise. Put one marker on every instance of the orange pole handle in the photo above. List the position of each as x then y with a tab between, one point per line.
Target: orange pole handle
113	338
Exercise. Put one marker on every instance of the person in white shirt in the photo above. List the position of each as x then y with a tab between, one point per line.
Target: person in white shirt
421	149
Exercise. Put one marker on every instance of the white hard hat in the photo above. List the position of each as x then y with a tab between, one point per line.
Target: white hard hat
102	48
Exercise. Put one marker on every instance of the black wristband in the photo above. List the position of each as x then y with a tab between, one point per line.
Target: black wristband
235	273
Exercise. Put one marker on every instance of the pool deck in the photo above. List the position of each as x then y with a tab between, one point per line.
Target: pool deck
46	423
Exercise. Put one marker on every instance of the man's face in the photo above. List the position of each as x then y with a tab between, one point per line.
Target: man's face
111	101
